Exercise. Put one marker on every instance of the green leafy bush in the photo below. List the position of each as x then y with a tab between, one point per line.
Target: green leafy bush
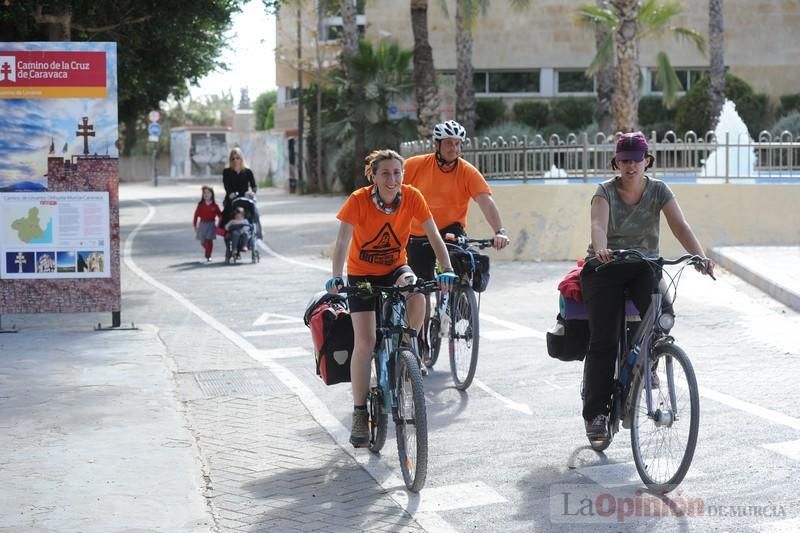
652	111
790	123
789	103
533	114
573	113
694	108
490	111
506	130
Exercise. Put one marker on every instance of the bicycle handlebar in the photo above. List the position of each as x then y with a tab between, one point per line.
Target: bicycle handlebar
463	240
623	255
365	288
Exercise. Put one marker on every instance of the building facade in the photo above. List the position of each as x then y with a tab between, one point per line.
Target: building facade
542	52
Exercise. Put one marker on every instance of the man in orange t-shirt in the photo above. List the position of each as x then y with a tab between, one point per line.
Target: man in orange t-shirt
448	183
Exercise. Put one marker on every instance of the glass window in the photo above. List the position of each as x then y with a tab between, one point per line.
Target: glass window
574	81
479	82
514	82
687	77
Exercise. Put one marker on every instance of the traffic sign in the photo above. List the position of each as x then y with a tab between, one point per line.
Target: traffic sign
153	131
153	116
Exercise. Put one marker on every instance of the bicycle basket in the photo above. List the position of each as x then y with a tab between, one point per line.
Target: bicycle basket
471	262
332	334
568	340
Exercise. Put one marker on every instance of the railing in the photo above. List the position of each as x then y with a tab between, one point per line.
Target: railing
577	158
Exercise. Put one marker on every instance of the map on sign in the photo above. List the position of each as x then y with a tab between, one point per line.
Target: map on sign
30	226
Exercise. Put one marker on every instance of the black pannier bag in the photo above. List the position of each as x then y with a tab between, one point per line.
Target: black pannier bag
331	327
568	340
470	261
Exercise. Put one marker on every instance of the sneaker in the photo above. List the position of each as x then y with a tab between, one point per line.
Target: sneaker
244	248
597	429
359	435
208	259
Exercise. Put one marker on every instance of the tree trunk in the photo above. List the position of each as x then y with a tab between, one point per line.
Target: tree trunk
59	25
716	38
427	92
465	90
604	81
131	135
626	74
350	50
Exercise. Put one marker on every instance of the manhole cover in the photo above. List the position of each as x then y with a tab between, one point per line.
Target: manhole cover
239	382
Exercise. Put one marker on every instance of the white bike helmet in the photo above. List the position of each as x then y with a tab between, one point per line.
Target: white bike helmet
449	130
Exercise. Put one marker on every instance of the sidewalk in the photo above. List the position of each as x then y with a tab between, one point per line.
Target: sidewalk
773	269
91	435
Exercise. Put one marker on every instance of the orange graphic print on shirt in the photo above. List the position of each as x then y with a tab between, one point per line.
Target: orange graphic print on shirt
379	240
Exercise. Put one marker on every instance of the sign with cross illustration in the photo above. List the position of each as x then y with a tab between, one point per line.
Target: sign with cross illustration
85	130
20	261
5	71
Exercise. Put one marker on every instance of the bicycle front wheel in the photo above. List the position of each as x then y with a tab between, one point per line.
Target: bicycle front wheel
664	441
378	419
434	335
464	336
411	421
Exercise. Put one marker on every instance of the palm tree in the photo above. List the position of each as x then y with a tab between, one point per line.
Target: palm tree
716	45
629	21
355	93
426	90
604	79
467	12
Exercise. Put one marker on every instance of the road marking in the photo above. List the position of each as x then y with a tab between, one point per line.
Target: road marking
270	332
516	331
791	525
276	255
267	319
790	449
620	474
379	471
757	410
286	353
461	496
516	406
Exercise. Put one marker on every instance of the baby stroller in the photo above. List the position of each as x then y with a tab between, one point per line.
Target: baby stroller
248	203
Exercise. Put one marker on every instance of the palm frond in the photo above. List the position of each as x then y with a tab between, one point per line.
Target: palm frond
603	57
691	36
670	84
591	15
655	15
520	5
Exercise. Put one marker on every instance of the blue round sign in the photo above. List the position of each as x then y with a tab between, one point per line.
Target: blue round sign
154	129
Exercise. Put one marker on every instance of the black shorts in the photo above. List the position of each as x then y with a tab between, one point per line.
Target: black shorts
421	257
358	304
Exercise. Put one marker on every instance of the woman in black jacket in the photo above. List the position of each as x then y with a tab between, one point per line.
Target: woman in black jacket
237	179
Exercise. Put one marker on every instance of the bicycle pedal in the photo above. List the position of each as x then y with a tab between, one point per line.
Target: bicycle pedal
423	370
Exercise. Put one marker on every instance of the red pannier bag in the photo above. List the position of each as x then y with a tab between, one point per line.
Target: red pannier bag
331	327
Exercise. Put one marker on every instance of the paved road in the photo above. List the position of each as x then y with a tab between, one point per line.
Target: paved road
504	453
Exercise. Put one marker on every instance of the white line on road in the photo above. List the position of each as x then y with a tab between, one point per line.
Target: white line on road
286	353
511	404
267	319
517	331
790	449
270	332
276	255
385	477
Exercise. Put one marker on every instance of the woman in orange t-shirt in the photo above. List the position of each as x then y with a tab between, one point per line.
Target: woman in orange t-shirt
375	224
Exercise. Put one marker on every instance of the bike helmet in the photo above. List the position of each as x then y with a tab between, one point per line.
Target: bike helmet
449	130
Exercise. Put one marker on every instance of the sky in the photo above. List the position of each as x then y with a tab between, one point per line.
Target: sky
251	56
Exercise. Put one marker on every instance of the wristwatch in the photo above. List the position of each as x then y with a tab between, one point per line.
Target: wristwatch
501	231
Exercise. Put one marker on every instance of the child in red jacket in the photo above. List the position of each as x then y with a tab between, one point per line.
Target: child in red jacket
206	213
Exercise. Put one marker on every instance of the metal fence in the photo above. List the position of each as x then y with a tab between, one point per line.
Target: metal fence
579	158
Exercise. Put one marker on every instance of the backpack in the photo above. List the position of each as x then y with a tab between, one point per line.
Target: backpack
470	261
331	327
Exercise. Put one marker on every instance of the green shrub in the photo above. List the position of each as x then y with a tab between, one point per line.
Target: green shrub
652	111
573	113
694	108
790	123
789	103
534	114
659	127
506	130
490	111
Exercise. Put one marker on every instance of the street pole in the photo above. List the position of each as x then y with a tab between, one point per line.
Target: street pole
155	164
300	185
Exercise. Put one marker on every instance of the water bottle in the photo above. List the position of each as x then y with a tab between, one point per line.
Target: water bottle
627	366
444	320
383	380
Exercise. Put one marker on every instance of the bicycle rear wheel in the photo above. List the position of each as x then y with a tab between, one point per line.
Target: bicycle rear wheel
663	444
411	421
464	336
378	419
434	332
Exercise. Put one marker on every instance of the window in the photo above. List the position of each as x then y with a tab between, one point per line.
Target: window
687	77
574	81
506	82
333	32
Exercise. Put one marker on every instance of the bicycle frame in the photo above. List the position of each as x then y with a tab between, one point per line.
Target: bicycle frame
390	328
